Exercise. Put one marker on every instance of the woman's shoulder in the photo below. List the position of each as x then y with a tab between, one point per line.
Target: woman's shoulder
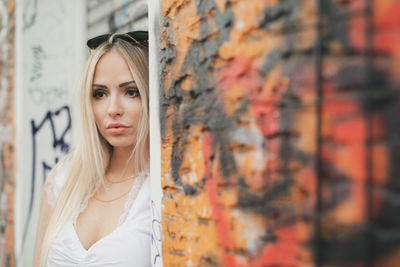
56	181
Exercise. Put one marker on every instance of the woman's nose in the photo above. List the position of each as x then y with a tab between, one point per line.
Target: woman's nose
115	106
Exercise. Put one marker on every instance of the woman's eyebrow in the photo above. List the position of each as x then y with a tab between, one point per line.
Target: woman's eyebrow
125	84
99	85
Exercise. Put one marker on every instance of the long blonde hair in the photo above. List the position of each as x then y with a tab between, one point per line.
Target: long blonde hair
91	156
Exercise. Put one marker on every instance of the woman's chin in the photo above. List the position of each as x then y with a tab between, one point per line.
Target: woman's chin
121	142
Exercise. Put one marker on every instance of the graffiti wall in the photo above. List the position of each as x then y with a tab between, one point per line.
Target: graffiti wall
7	185
280	132
47	72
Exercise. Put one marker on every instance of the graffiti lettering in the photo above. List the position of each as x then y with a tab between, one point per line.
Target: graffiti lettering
58	143
37	67
156	232
47	94
30	13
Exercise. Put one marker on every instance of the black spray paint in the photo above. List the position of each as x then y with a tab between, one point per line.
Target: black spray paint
58	139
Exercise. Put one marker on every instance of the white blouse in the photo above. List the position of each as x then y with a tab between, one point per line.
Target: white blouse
128	245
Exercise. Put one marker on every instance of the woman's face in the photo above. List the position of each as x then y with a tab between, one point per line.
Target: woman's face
116	102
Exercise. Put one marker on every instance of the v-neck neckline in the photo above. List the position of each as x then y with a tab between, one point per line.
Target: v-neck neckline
107	236
119	225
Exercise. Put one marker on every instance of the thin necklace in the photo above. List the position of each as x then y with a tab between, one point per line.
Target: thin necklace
119	182
113	199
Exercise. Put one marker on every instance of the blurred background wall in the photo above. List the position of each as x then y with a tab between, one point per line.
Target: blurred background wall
42	55
280	132
7	88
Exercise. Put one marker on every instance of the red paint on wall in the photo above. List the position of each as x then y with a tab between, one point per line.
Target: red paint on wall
218	215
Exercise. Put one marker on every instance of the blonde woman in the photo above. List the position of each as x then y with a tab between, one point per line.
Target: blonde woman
95	207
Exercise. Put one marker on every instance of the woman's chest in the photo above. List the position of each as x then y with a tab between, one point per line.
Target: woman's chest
128	244
97	220
124	246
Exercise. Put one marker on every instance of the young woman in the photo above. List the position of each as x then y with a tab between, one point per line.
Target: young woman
95	207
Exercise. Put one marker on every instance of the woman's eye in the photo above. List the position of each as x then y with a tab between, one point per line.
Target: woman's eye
132	92
98	94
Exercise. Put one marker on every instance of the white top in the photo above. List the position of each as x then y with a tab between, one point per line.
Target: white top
128	245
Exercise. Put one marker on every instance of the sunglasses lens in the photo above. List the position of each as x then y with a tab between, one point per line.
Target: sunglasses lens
136	37
140	36
98	40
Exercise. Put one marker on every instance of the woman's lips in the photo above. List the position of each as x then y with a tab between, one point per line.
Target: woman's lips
117	128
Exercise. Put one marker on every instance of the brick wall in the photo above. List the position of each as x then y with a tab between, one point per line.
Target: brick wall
7	37
280	132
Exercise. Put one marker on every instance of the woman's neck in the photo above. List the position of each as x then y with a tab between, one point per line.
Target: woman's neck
121	165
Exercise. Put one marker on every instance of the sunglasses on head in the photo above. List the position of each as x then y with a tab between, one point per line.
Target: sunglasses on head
135	38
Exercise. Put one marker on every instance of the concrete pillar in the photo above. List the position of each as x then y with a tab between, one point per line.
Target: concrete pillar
49	59
155	143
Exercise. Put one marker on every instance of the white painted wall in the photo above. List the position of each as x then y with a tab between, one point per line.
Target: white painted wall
49	59
155	139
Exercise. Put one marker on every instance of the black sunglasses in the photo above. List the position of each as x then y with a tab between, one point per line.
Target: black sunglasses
135	38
